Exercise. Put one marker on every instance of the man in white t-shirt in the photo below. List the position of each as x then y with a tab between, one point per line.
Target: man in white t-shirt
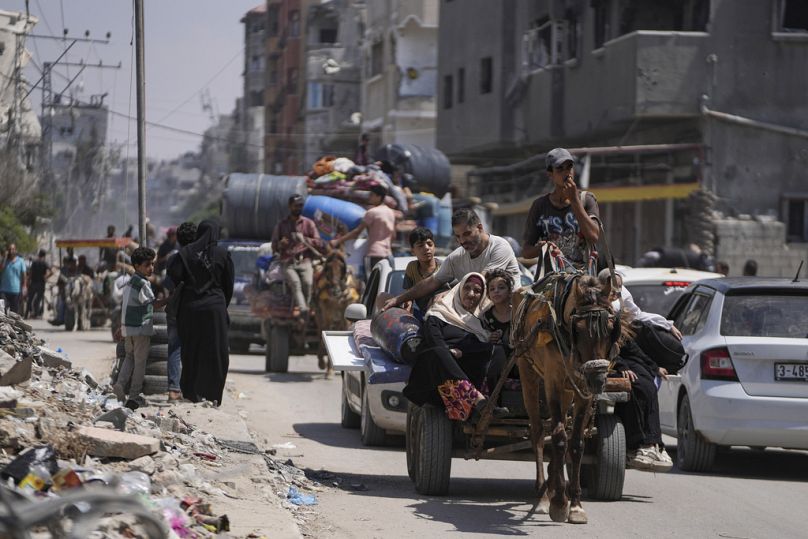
479	252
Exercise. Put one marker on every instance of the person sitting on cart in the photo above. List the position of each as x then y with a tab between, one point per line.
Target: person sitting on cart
422	245
640	415
296	240
456	350
84	268
565	220
497	320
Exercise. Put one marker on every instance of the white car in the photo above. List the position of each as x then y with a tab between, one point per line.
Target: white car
655	290
746	377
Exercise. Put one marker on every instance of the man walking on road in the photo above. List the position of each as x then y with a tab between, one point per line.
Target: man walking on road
12	279
295	240
479	252
565	220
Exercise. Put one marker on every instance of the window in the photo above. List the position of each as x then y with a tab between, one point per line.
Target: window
294	23
320	96
692	319
272	20
795	218
257	27
573	30
257	98
793	16
371	290
779	313
376	52
273	125
461	85
486	75
256	63
447	91
328	35
272	76
291	80
603	23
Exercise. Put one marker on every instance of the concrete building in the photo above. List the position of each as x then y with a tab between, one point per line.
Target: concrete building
250	109
399	79
710	93
284	147
333	76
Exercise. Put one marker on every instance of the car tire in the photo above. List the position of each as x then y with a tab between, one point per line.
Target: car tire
155	384
159	318
693	452
411	439
157	368
158	351
160	334
349	419
433	465
370	433
605	477
277	359
70	319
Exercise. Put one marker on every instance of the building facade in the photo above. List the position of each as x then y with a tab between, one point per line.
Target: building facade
250	109
399	76
333	77
661	99
284	148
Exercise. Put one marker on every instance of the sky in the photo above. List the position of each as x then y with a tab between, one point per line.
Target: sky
190	46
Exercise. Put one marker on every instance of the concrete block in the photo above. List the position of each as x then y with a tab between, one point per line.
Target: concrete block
112	443
16	372
117	417
52	359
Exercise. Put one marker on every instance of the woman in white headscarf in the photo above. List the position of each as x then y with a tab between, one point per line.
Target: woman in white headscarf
456	352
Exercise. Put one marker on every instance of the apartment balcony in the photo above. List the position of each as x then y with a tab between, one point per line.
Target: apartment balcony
653	75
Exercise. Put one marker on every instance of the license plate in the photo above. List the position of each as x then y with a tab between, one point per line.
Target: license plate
791	371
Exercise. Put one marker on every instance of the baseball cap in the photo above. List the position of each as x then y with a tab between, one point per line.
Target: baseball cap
557	157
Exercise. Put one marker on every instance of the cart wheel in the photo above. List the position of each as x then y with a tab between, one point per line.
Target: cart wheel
371	433
605	477
433	458
350	419
70	319
693	452
411	438
277	359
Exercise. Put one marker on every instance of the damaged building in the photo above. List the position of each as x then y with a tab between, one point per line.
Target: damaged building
658	99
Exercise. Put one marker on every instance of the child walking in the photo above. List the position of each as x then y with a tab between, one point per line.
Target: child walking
136	329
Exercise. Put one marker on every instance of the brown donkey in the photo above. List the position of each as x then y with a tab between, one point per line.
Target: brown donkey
566	332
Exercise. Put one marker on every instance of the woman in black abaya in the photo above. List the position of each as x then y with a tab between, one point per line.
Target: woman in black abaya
207	274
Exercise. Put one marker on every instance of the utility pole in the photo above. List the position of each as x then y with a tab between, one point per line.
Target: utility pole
141	123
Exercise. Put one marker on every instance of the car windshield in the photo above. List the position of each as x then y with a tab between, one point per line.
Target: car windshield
395	282
244	261
655	298
765	316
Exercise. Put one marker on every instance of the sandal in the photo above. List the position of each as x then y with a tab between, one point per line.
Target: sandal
174	396
497	412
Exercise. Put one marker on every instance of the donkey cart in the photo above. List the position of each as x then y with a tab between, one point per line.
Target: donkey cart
433	440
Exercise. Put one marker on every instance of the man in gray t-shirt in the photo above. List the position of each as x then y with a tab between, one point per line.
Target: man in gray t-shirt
479	251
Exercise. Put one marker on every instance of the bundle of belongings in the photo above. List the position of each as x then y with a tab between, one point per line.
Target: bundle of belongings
388	343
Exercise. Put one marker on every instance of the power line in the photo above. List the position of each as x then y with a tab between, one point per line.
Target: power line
204	85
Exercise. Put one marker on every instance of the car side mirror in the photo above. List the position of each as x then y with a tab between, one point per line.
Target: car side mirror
356	311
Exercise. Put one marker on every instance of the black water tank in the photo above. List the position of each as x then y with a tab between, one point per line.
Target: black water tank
429	167
253	203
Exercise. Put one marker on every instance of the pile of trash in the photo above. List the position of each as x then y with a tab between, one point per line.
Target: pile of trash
61	430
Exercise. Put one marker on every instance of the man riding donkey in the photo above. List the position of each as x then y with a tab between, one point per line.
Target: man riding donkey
565	332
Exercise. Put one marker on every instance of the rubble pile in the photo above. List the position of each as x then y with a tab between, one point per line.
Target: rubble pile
61	429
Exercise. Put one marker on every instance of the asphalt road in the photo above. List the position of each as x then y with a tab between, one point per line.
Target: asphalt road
749	495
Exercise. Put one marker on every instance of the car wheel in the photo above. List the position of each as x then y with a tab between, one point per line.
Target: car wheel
433	467
160	334
693	452
411	438
155	384
350	419
371	433
605	477
278	350
158	351
159	317
157	367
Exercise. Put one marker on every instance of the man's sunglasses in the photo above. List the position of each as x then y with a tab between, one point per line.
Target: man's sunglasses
565	166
